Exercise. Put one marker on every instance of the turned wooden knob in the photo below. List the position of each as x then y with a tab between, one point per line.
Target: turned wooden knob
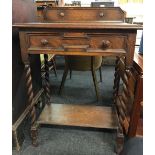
44	42
105	43
62	14
101	14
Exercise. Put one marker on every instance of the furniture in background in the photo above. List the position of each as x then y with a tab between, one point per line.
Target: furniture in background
78	27
73	4
129	96
51	63
136	123
79	63
141	45
23	11
52	3
129	19
41	4
101	4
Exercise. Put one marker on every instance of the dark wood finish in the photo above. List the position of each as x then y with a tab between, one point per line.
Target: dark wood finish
113	25
125	95
128	96
83	14
72	14
47	84
136	123
120	35
79	115
90	52
100	28
30	93
18	86
23	11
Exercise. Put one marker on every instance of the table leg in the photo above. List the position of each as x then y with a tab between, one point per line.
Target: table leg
120	136
30	100
119	142
47	83
34	134
116	79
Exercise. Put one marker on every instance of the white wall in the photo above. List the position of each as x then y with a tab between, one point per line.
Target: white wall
87	2
132	9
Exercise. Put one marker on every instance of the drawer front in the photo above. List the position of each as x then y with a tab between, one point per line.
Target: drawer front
64	40
77	41
42	40
108	41
83	14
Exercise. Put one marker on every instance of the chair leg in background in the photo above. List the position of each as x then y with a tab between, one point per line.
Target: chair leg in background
95	84
100	70
54	67
70	73
63	79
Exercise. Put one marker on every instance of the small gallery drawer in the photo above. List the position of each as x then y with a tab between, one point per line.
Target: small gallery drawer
71	14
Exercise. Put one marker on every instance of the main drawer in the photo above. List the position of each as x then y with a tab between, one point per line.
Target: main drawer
69	41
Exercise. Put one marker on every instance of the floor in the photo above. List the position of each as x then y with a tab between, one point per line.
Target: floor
61	140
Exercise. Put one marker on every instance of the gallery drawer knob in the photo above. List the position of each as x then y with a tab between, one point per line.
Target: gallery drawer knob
105	43
44	42
101	14
62	14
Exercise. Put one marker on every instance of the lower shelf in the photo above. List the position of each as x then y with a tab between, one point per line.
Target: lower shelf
79	115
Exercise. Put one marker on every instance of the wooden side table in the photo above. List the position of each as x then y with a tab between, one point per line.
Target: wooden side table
63	33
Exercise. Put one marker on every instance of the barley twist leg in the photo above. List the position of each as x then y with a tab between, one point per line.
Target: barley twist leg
117	79
30	102
47	83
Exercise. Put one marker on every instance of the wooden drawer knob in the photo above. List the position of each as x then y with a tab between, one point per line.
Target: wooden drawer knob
44	42
62	14
101	14
105	43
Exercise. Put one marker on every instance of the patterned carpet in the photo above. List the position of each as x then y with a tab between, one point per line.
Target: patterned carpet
60	140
